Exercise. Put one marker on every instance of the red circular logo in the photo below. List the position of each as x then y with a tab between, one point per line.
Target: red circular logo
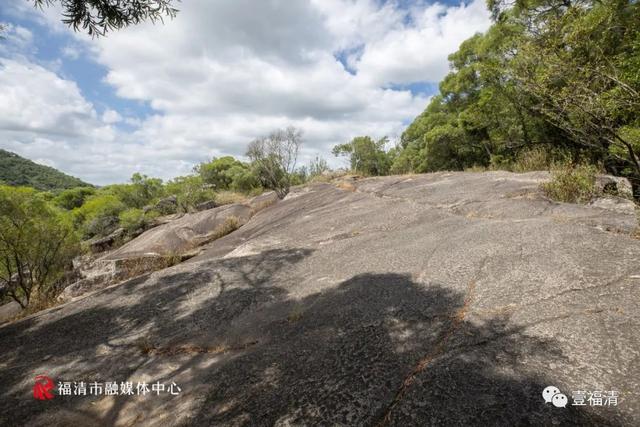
43	387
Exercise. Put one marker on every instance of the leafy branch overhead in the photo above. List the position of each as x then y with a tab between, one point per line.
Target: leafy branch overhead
97	17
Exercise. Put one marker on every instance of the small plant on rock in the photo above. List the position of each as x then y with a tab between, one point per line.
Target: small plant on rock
571	184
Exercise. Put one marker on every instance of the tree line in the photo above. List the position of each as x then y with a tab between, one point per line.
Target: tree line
558	78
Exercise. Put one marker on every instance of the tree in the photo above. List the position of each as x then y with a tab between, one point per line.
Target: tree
99	16
581	70
99	215
226	173
366	156
73	197
36	244
274	158
317	166
140	192
189	191
549	76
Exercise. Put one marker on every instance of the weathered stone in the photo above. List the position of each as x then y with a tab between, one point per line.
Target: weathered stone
616	204
262	201
206	205
105	272
183	234
9	310
614	185
439	299
101	244
168	205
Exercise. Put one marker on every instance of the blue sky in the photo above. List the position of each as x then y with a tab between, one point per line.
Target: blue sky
159	99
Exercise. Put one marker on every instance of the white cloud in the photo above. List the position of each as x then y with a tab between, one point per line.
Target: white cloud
15	39
71	52
420	52
222	73
111	116
35	99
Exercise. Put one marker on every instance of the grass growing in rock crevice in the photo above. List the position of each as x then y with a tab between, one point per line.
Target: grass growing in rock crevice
571	184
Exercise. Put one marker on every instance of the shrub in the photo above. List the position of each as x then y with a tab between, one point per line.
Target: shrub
139	193
226	173
499	162
243	179
189	192
98	216
318	166
366	156
136	220
74	197
539	158
571	184
533	159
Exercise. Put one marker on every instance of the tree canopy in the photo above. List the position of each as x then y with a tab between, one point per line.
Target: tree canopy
36	243
16	170
555	74
275	157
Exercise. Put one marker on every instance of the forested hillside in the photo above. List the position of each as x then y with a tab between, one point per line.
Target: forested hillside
16	170
550	81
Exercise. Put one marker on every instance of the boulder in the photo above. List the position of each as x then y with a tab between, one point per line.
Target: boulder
100	273
168	205
206	205
184	234
262	201
9	310
101	244
173	239
614	185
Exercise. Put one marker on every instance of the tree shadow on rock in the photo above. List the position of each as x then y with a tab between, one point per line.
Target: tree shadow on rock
380	349
99	337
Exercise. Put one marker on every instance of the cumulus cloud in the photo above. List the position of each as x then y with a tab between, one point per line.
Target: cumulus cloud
223	73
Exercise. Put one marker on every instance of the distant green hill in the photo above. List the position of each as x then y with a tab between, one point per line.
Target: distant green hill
16	170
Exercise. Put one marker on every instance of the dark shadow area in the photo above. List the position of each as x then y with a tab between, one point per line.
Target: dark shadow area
349	358
378	349
78	339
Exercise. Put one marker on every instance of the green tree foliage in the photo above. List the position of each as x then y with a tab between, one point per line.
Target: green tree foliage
99	16
99	215
37	242
227	173
16	170
274	159
140	192
189	191
134	220
366	156
560	76
73	197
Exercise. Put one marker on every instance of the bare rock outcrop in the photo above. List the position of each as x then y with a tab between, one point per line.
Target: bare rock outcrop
438	299
174	239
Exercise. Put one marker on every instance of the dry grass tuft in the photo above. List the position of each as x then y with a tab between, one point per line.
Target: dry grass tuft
230	224
571	184
346	186
230	197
